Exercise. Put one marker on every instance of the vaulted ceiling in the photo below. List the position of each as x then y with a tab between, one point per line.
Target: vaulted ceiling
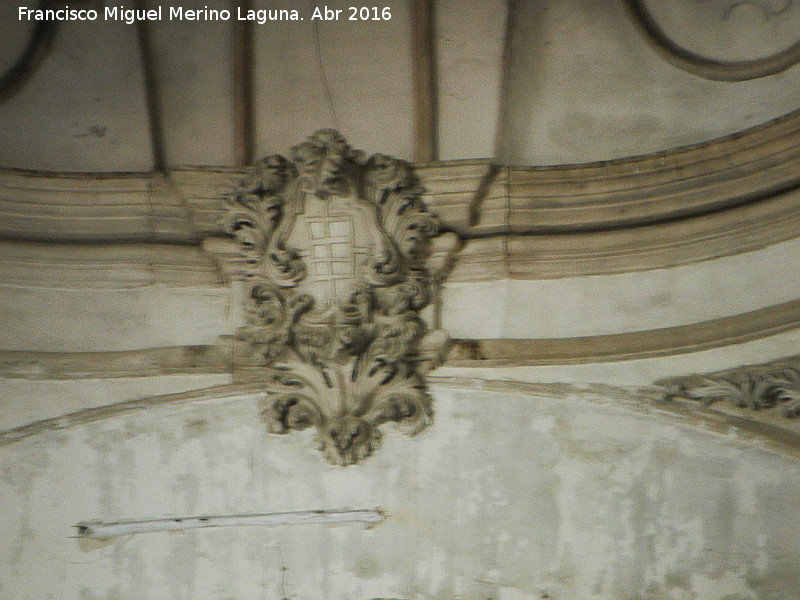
525	82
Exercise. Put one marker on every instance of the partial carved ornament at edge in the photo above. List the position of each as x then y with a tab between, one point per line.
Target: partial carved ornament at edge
774	385
340	257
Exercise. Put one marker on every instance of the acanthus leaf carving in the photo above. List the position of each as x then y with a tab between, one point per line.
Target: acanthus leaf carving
338	253
773	385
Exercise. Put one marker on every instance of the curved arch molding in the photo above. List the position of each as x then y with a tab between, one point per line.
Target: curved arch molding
699	65
37	48
750	426
734	194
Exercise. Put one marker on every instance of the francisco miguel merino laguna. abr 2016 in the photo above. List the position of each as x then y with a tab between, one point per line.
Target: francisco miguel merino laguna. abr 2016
131	16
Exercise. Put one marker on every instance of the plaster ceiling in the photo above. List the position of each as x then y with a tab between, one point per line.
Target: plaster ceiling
577	84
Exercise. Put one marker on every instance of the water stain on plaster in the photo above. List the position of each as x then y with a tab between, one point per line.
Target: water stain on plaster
90	545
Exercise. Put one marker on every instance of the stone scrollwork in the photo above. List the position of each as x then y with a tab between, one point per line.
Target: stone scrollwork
720	69
340	262
774	385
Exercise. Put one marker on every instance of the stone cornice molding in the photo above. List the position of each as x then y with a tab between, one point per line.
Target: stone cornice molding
657	246
713	199
746	167
228	357
92	207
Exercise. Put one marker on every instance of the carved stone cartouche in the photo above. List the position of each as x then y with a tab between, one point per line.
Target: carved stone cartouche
336	248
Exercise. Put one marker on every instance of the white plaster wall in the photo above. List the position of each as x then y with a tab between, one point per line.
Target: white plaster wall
619	303
505	496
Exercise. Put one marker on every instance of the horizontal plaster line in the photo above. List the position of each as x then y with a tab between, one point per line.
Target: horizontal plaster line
102	203
84	175
101	530
43	264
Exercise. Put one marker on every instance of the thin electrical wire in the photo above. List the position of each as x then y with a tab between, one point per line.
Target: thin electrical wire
325	87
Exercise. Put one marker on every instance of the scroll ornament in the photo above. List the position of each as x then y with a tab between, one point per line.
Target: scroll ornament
339	262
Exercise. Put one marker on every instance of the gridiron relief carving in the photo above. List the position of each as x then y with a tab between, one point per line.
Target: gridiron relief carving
339	265
771	385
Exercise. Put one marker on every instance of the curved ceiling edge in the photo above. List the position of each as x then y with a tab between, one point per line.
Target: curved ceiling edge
746	426
699	65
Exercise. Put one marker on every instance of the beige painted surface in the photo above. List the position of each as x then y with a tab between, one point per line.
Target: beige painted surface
584	86
84	109
469	46
85	320
358	80
194	66
602	304
506	496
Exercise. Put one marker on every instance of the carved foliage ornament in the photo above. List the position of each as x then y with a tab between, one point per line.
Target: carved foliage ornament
774	385
337	250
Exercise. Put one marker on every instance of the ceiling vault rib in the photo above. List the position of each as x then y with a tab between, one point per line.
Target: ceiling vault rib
243	88
426	118
152	98
37	49
505	76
